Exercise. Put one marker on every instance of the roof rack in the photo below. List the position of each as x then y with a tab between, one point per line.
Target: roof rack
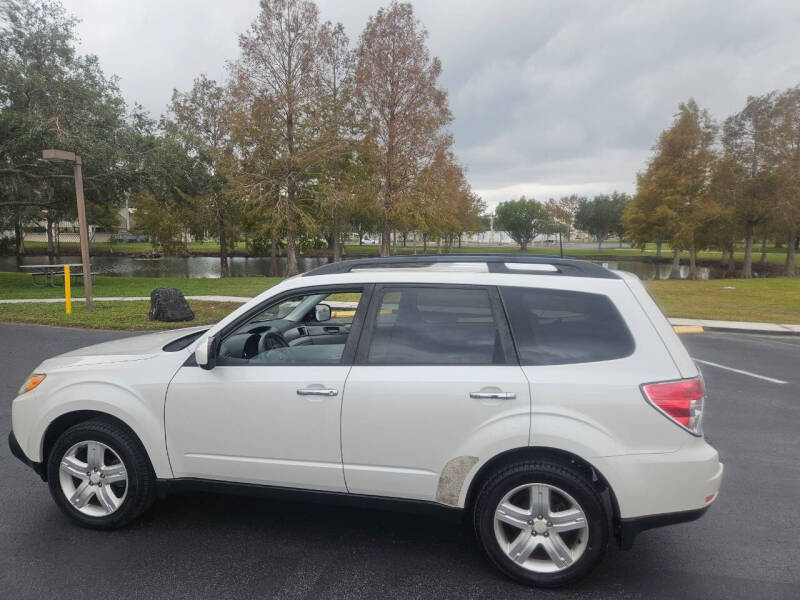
496	263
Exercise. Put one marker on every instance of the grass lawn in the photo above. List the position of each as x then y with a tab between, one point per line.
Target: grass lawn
18	285
110	315
772	300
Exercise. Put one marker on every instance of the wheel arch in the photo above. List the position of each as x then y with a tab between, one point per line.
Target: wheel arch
66	420
594	476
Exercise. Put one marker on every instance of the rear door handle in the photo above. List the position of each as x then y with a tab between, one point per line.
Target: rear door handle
493	395
317	392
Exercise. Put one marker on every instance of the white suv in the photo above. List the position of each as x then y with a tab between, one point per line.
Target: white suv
549	401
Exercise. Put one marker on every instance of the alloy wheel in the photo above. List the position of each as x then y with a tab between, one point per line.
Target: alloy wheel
93	478
541	528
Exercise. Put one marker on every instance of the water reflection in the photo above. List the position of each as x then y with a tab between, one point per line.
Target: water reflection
170	266
208	266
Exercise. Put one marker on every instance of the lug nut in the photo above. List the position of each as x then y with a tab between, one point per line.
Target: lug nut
546	534
549	523
539	517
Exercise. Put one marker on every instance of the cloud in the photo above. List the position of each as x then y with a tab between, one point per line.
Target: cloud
549	98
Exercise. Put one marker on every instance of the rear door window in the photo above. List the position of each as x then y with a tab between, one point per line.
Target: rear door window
555	327
419	325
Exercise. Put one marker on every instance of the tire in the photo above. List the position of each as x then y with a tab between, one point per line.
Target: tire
510	532
118	457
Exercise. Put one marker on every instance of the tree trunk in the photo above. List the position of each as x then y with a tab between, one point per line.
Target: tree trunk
386	236
791	248
424	243
337	245
223	245
658	250
675	272
50	245
273	250
291	241
20	235
731	268
599	242
523	246
747	267
439	245
763	260
692	261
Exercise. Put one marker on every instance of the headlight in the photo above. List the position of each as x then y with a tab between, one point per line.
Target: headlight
33	380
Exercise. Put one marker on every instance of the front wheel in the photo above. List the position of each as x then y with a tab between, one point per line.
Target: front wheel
541	523
99	475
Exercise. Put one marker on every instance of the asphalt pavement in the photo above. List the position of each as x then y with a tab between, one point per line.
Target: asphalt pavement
210	546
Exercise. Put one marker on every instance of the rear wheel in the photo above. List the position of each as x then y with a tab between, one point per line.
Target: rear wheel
541	523
99	475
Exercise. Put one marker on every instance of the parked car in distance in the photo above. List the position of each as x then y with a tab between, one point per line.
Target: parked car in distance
546	400
368	241
125	237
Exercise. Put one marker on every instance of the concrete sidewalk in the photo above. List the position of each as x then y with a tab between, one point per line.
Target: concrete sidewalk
684	325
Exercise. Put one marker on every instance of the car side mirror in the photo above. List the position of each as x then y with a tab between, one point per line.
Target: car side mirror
322	313
206	353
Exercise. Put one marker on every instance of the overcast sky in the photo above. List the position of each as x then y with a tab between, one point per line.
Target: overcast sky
549	98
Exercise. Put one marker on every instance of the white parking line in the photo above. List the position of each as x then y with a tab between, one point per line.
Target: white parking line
748	373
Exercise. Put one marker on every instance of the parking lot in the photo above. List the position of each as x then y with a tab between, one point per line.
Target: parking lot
209	546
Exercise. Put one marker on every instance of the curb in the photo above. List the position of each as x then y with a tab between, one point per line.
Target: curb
733	327
686	329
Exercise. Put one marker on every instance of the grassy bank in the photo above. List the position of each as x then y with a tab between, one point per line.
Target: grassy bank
18	285
773	300
109	315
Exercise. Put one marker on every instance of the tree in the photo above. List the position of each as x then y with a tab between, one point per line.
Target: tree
745	141
784	143
52	97
446	205
675	188
602	216
279	62
198	120
341	173
397	88
522	220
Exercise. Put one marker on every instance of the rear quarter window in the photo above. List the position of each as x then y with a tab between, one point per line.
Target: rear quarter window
556	327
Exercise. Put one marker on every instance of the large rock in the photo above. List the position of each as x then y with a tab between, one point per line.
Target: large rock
168	304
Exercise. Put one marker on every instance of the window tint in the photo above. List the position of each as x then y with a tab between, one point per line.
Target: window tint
552	327
435	326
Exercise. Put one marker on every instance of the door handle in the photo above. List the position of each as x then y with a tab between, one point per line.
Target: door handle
492	395
317	392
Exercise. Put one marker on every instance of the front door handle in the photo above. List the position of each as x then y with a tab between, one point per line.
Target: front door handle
492	395
317	392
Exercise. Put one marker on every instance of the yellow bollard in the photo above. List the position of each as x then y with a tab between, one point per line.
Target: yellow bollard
67	289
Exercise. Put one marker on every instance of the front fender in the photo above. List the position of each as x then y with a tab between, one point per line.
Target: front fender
133	408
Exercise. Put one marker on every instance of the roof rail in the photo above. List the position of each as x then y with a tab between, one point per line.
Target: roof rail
496	263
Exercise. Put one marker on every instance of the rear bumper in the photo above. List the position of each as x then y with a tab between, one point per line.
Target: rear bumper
16	450
630	528
666	483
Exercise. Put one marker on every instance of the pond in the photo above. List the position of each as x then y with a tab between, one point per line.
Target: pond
208	266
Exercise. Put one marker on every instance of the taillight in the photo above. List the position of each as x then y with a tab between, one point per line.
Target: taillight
681	400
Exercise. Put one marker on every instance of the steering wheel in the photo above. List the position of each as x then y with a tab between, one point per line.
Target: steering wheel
271	340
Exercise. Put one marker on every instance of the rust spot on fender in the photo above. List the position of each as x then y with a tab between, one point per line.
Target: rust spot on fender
452	478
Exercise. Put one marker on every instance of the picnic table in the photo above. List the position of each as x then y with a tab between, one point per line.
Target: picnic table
45	275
